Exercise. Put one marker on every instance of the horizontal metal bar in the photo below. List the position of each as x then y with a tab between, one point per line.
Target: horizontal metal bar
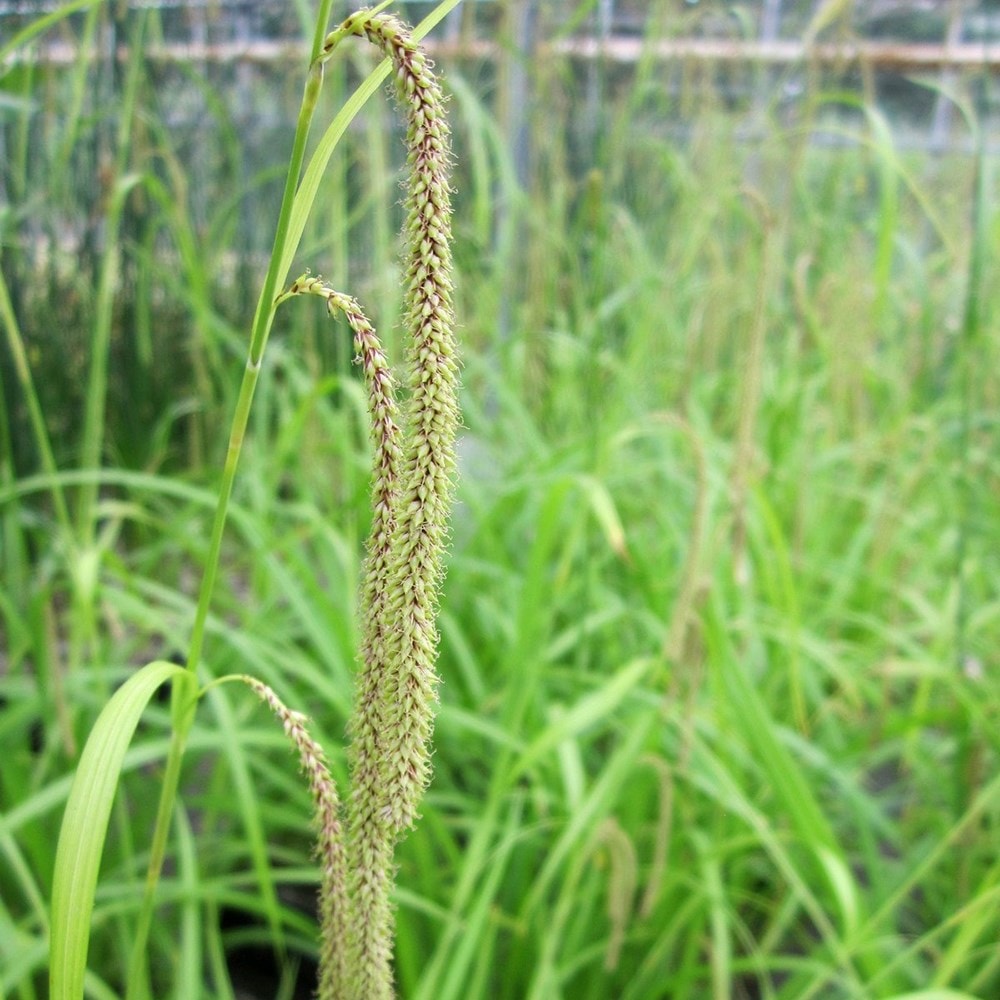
891	55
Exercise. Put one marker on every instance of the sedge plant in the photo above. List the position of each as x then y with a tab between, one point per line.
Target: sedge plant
413	445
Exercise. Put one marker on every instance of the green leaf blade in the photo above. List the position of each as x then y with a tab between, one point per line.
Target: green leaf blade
85	824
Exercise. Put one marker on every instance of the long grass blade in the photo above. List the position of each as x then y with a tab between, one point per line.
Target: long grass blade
85	823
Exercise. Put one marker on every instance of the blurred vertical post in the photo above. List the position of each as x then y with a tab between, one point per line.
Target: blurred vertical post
595	75
764	79
941	123
770	21
770	31
520	24
243	117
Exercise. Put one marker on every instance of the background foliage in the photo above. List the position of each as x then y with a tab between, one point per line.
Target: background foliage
720	626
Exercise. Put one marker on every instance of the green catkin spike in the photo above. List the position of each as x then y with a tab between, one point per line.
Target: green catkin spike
412	490
368	938
333	905
623	877
425	488
388	784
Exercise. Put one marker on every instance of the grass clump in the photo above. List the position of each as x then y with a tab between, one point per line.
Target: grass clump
659	770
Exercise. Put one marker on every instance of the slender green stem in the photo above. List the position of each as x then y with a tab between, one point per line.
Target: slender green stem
15	343
85	568
322	20
97	384
236	436
263	318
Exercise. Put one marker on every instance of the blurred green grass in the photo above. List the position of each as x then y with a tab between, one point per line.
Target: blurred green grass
716	720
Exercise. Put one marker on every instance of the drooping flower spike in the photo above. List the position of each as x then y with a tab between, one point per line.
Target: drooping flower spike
412	491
